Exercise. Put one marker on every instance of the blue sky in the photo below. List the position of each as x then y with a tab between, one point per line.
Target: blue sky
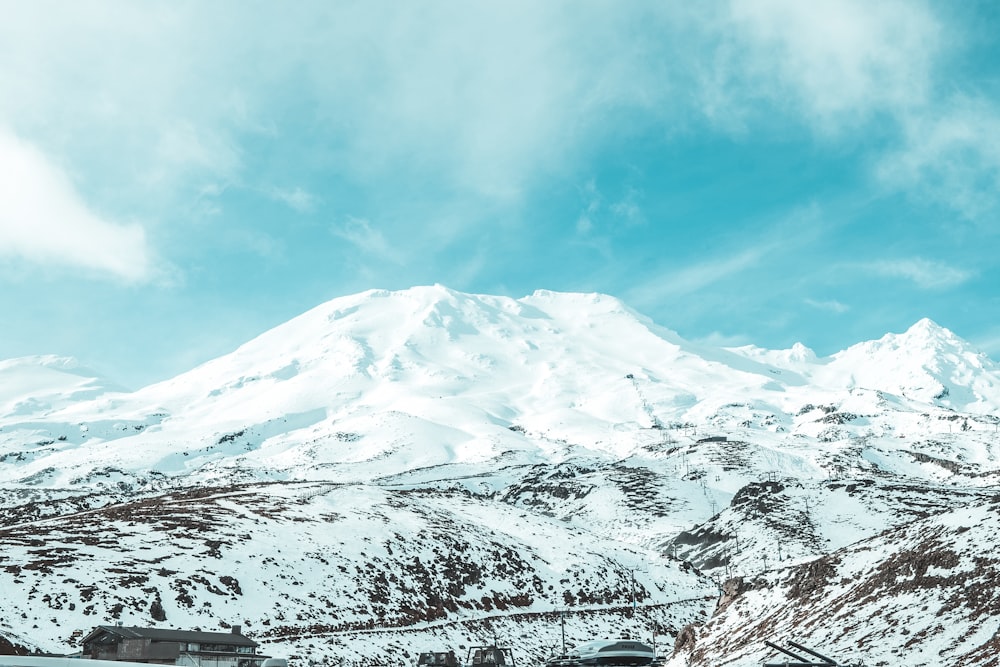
178	177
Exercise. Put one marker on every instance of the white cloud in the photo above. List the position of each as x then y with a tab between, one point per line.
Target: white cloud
627	210
718	339
952	157
926	274
839	64
688	280
599	216
585	222
44	220
296	198
144	97
368	239
183	147
763	243
479	101
831	305
834	62
480	96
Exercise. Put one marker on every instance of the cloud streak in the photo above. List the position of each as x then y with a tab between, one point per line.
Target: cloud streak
368	239
925	274
295	198
760	244
688	280
44	220
950	156
831	305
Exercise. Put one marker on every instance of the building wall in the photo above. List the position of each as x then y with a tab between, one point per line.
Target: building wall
194	660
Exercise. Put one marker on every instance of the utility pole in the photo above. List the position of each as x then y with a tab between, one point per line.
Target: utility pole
632	572
562	629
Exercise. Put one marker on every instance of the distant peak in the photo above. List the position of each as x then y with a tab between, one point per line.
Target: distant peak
925	333
927	324
927	329
800	352
579	297
925	343
436	288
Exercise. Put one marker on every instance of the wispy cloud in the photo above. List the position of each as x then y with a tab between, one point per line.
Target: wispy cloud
500	100
44	220
600	217
926	274
184	147
760	245
627	210
718	339
951	156
831	305
989	343
500	97
834	63
585	222
840	65
296	198
368	239
688	280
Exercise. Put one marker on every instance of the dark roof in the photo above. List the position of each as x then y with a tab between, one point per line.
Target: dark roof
166	635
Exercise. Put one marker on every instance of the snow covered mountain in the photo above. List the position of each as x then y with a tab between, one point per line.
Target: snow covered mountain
32	385
395	471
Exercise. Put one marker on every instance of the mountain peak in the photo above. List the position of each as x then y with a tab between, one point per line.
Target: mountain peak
800	352
928	328
924	337
926	362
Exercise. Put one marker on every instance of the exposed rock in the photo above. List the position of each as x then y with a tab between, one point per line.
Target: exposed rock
731	589
758	498
686	639
811	578
7	647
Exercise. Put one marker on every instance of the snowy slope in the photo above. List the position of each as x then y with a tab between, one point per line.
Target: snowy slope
30	387
924	594
426	463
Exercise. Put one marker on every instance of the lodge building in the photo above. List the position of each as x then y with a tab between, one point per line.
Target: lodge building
190	648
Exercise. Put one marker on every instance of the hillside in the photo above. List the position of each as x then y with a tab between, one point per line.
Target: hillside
430	468
924	593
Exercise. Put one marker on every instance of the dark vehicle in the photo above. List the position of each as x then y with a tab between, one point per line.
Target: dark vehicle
437	659
482	656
